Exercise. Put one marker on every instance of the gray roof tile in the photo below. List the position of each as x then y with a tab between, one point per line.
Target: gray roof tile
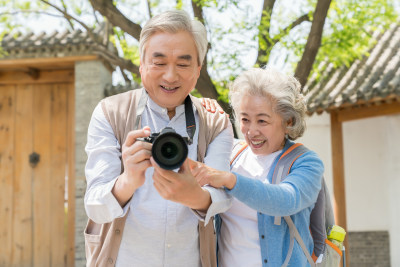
54	44
373	79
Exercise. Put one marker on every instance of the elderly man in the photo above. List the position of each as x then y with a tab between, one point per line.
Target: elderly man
160	209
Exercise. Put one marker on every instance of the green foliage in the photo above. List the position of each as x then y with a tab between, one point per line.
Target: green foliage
232	37
350	31
206	3
264	38
196	93
23	5
223	90
129	51
179	4
235	29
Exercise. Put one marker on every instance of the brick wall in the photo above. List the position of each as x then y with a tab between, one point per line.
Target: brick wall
91	77
369	249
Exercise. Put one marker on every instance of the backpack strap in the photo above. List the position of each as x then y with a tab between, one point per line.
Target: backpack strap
239	146
284	165
294	234
282	170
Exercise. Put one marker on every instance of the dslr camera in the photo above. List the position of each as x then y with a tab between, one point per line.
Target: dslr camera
169	149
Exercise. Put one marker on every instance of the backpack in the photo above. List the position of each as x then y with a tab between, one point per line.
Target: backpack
321	218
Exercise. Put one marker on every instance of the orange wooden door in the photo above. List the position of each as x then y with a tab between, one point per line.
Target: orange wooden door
33	219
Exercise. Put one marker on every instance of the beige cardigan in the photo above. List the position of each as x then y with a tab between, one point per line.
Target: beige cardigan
102	241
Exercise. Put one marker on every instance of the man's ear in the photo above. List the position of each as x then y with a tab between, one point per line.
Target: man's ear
198	71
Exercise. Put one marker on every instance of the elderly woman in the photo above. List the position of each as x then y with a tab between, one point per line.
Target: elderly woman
271	112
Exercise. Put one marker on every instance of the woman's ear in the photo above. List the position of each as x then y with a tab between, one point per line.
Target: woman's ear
289	122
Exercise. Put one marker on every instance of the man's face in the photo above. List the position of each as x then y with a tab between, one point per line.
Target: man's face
169	69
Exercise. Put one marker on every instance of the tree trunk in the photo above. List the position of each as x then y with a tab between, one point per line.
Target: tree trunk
304	67
263	54
115	17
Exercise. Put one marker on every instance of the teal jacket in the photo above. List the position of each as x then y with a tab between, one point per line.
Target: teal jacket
294	196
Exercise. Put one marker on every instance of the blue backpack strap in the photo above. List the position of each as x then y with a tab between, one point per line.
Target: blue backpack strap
286	161
282	170
284	165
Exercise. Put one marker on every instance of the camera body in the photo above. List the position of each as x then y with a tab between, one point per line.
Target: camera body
169	149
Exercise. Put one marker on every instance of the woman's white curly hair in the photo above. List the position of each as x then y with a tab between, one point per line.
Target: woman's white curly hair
282	90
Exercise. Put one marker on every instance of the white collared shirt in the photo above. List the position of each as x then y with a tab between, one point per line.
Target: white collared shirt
157	232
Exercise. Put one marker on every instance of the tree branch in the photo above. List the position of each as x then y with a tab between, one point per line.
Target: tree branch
117	60
30	11
264	34
68	16
198	11
149	8
286	30
69	20
204	84
102	45
304	66
107	9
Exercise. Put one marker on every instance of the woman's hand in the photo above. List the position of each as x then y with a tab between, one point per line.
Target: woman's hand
211	105
206	175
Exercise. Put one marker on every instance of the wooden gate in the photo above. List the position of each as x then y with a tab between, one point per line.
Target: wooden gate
36	167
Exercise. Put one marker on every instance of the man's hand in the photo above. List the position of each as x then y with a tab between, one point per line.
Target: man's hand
181	187
206	175
136	159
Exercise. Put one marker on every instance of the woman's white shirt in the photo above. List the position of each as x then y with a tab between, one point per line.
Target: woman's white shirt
239	244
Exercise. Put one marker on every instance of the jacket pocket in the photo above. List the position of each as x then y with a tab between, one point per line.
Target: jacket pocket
93	242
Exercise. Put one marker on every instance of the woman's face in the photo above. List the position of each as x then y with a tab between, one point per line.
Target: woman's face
260	125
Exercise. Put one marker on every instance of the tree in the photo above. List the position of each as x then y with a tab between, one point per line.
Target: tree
303	36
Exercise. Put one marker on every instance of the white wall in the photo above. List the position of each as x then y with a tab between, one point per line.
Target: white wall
372	172
393	176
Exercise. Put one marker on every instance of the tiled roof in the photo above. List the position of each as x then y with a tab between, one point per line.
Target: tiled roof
371	80
55	44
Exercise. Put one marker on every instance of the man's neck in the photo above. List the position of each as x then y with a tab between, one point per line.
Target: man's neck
171	113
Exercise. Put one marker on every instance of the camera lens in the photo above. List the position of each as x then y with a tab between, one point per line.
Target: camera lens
169	150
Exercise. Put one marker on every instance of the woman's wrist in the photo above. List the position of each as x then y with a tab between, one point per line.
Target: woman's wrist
230	180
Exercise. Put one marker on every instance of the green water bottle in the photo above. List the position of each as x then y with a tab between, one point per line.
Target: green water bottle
336	235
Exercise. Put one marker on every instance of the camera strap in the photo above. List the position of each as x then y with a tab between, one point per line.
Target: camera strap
190	121
189	115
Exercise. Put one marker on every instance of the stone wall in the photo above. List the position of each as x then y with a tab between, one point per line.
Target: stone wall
91	77
369	249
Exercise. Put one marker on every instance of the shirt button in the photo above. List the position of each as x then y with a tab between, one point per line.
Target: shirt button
262	236
117	231
265	261
110	261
